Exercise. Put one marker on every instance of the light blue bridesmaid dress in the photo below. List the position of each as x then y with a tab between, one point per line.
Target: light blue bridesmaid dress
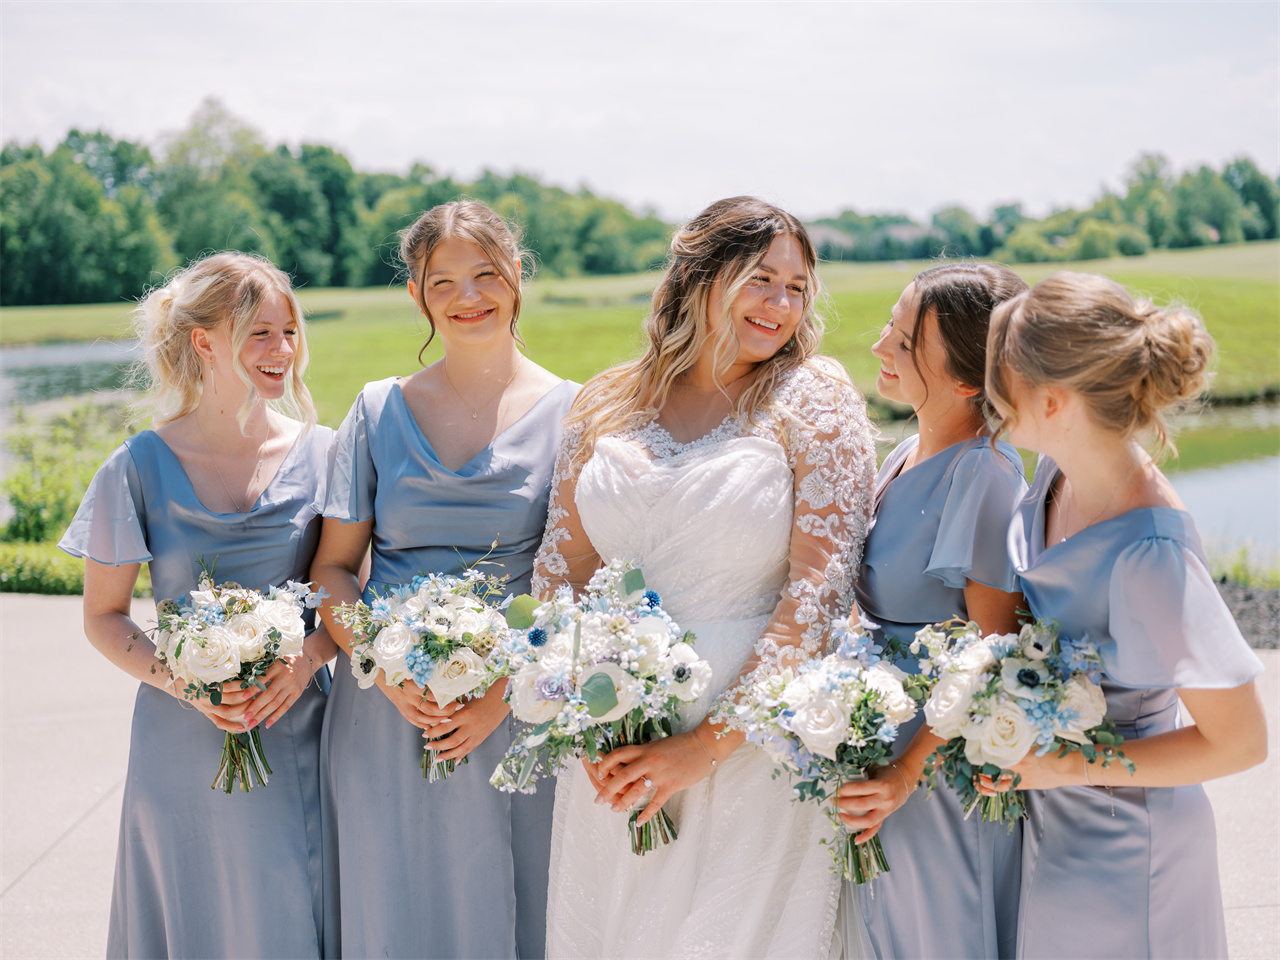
452	868
1134	874
952	886
200	873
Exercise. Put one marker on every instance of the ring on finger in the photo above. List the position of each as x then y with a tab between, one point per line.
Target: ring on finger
648	782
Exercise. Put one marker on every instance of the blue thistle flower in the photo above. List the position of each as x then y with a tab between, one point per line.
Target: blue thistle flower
537	637
651	598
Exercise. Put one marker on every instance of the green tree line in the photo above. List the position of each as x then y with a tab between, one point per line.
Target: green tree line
1156	210
98	219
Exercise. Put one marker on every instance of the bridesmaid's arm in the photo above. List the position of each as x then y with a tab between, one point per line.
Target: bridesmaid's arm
1229	735
866	804
109	626
338	567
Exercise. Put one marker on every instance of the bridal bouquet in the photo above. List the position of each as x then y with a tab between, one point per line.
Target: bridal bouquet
437	631
223	633
607	671
999	697
828	723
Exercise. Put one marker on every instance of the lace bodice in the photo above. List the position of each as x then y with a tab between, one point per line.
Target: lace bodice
752	520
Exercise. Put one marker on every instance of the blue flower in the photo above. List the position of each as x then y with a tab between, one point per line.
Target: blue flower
420	665
651	598
537	637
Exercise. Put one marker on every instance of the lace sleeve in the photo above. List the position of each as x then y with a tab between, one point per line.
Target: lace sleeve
831	449
566	554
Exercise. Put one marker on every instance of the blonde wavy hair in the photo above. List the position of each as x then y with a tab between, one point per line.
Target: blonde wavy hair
725	242
1132	361
222	288
472	221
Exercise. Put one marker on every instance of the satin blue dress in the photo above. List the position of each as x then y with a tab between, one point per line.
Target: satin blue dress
200	873
452	868
1134	874
952	885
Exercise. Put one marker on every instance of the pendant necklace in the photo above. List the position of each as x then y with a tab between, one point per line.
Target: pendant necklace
257	472
475	411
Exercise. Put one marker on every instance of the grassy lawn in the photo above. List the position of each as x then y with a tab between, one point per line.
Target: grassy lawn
576	327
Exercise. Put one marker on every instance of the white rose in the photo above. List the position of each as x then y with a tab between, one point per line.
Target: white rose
1003	737
627	688
390	648
821	723
412	605
286	618
801	688
975	657
948	704
1088	701
526	703
210	656
250	631
895	703
461	673
691	675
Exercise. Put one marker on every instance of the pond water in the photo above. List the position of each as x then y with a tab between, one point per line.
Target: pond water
1228	475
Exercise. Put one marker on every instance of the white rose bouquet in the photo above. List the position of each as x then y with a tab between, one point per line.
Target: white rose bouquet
224	633
997	698
607	671
437	631
829	723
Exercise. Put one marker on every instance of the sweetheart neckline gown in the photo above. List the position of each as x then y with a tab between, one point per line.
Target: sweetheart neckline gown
1140	864
711	525
200	873
452	868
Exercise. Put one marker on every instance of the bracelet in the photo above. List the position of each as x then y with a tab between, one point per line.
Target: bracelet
1086	770
703	746
894	764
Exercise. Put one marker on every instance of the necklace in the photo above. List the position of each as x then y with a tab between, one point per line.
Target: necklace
475	411
1110	500
257	471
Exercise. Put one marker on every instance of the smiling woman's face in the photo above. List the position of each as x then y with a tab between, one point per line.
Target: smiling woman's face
769	307
466	297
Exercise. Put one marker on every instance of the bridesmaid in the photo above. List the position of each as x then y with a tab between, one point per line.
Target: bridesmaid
431	470
225	476
936	550
1117	865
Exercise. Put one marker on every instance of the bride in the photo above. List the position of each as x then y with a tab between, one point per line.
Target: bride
735	467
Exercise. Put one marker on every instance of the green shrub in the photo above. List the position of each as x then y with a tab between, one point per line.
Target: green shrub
43	568
52	465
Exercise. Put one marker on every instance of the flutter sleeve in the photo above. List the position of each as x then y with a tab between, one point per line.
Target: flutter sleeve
831	450
986	488
1169	625
566	555
109	525
353	481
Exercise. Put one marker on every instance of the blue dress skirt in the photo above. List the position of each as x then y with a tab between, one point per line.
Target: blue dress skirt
452	868
1134	874
200	873
952	885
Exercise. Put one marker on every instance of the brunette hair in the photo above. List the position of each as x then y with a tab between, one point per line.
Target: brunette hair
962	295
725	242
1131	360
472	221
222	288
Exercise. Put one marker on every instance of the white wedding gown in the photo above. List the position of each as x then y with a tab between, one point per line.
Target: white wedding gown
750	536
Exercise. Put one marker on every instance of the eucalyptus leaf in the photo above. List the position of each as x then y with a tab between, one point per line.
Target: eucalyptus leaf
633	582
520	612
599	694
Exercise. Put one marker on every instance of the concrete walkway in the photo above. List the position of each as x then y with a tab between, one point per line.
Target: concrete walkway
65	744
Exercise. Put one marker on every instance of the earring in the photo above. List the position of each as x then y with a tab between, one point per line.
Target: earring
212	378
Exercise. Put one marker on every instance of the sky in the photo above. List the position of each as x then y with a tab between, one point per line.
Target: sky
819	107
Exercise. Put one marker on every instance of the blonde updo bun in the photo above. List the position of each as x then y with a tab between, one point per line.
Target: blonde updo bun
220	288
1132	361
